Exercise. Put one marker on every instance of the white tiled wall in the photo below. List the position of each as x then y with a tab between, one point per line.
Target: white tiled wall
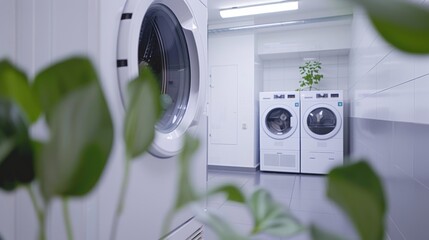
383	80
312	37
7	51
283	74
389	92
7	29
32	35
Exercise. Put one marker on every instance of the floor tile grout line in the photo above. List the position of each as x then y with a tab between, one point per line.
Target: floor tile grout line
396	226
293	190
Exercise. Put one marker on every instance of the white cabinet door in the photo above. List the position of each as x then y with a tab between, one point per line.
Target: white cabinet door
223	119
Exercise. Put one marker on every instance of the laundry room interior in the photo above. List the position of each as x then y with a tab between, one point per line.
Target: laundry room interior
161	119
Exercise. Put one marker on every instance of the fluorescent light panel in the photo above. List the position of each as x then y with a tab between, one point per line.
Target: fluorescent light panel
259	9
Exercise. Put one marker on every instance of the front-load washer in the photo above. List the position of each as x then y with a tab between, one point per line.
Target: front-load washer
120	35
171	38
279	131
321	130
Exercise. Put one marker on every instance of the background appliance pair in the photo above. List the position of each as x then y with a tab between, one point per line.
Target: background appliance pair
301	132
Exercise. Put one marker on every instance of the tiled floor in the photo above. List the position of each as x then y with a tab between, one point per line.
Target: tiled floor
304	195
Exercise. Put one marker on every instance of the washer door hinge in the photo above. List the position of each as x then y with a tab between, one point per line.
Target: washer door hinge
121	63
126	16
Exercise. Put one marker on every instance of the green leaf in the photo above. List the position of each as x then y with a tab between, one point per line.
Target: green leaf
271	217
143	111
16	160
6	147
73	160
320	234
14	85
222	229
403	24
186	193
232	192
358	191
309	73
60	79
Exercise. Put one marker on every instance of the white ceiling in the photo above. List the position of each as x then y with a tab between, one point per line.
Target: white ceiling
307	9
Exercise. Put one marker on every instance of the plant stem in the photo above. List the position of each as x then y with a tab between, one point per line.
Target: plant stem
39	212
42	232
121	201
67	220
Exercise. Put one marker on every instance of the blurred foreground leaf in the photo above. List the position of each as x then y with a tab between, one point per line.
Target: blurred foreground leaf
142	113
358	191
319	234
81	139
14	85
186	193
60	79
232	192
222	229
271	217
16	153
404	24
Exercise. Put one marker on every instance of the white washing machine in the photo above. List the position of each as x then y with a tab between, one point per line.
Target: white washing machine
321	130
119	36
279	131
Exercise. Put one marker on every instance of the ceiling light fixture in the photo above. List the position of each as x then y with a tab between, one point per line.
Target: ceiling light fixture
259	9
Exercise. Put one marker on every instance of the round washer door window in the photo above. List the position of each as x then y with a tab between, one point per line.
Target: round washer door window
279	122
162	47
164	37
322	122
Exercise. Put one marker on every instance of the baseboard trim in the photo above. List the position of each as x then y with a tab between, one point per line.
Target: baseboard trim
232	168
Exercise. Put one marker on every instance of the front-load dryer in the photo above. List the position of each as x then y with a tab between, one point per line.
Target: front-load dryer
321	130
279	131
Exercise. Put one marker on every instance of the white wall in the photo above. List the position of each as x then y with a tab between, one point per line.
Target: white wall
386	84
259	76
33	36
284	50
235	49
283	74
305	38
7	50
389	125
7	29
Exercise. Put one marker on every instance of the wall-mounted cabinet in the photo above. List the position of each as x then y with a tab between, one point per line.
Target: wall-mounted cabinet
295	42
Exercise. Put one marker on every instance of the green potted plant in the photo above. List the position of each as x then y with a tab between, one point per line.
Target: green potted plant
310	74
